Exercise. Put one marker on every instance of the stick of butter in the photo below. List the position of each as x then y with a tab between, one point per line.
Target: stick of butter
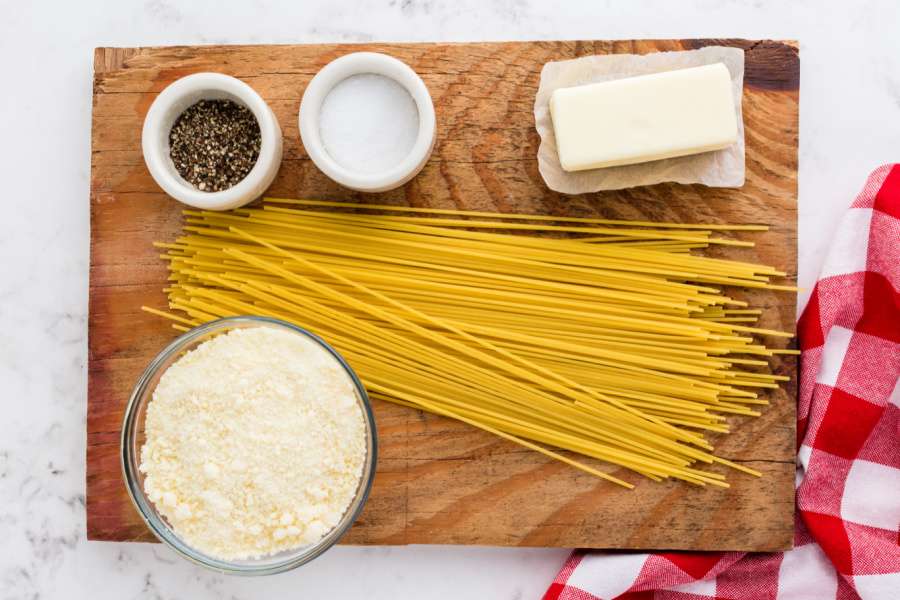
639	119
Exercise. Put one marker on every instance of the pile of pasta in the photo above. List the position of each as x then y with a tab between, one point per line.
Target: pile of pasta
608	339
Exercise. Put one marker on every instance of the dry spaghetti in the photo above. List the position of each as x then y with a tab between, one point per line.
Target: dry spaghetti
609	339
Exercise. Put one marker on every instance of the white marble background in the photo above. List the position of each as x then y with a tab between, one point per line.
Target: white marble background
850	123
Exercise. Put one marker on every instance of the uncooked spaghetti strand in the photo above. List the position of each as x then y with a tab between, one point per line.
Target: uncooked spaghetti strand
411	209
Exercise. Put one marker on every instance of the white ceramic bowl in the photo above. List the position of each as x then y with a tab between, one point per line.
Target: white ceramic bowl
360	63
173	101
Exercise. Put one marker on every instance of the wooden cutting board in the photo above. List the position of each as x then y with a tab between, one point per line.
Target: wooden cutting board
439	481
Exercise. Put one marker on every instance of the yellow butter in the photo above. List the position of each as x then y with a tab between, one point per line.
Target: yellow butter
644	118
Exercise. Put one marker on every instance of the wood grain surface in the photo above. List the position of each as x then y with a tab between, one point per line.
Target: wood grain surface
439	481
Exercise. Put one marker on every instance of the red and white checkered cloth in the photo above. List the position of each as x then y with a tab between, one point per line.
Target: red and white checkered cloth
847	543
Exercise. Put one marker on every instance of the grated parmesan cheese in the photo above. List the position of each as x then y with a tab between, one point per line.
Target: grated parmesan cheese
255	443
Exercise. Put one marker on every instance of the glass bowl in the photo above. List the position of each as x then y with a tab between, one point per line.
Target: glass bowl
133	439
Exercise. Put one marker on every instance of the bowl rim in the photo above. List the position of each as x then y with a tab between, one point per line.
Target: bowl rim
363	63
164	533
206	85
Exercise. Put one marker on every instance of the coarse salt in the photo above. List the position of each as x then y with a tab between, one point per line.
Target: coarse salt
255	443
368	123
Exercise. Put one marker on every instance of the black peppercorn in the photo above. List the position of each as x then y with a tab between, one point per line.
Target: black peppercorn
214	144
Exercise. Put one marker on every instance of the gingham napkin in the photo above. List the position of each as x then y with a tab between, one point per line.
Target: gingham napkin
847	543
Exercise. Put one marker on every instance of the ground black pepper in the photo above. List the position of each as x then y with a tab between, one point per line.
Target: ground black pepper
214	144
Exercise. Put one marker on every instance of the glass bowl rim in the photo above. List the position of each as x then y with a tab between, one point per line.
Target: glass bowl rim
163	532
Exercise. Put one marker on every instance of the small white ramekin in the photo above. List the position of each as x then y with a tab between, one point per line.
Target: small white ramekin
359	63
173	101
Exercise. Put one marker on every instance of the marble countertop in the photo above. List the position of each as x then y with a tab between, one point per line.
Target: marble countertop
850	123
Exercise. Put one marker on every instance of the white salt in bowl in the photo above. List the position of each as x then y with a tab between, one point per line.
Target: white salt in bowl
389	171
181	95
